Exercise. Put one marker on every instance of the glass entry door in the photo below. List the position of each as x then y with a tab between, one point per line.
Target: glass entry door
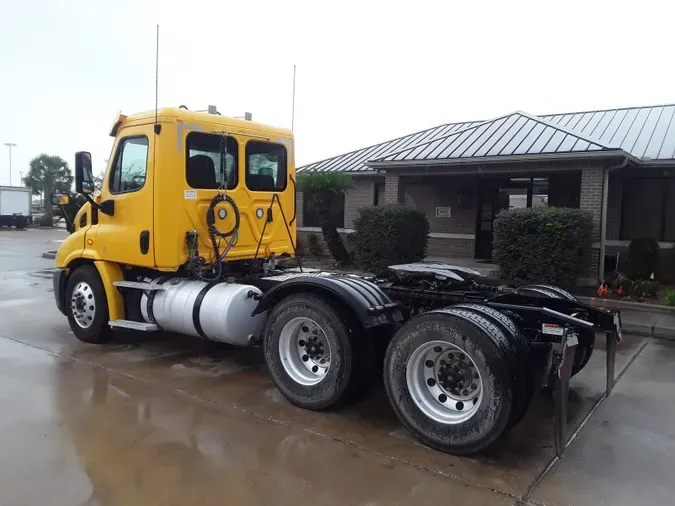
496	194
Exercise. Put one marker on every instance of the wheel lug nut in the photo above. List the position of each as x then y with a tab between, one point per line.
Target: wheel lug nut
431	382
451	356
442	398
438	349
459	406
302	343
304	328
465	392
475	375
315	369
473	386
429	363
305	358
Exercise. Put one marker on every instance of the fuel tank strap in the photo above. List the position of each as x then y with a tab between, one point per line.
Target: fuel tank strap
198	305
151	297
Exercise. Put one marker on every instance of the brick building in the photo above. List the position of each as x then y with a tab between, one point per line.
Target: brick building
619	164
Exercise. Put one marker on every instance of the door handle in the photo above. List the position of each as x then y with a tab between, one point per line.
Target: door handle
145	242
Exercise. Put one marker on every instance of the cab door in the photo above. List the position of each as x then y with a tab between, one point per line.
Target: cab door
127	236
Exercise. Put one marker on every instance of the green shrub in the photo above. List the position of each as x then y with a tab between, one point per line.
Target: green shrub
669	298
46	220
643	258
542	244
641	288
389	235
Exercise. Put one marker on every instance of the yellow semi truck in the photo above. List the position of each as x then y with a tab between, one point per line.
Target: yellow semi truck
186	235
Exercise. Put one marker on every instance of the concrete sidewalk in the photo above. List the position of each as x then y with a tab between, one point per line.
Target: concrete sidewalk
648	324
640	318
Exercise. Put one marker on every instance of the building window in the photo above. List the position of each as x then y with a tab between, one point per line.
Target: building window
265	166
211	161
378	189
645	211
131	165
524	192
336	210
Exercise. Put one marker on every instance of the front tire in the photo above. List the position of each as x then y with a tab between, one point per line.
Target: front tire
309	352
87	306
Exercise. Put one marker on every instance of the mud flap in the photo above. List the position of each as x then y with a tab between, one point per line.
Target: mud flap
613	340
564	358
561	386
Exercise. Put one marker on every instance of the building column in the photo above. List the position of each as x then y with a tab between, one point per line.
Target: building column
392	189
591	200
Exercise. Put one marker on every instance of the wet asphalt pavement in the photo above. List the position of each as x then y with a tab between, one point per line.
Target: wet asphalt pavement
162	419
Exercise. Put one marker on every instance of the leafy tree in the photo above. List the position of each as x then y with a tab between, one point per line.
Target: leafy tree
48	174
321	187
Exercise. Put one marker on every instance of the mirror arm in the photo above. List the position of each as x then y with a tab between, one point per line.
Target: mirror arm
106	207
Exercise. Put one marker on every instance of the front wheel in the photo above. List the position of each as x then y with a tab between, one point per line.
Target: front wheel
87	306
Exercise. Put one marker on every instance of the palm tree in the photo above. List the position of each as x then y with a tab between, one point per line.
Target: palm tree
48	174
322	187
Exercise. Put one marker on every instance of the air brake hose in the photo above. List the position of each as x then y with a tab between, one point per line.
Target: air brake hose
214	234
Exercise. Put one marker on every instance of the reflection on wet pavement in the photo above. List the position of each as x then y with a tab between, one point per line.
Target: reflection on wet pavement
77	434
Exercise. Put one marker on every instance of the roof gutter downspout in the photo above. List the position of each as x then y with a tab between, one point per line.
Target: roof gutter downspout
603	218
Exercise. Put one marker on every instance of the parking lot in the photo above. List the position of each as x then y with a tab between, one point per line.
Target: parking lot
166	419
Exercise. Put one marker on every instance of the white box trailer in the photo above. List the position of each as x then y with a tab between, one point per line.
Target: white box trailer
15	206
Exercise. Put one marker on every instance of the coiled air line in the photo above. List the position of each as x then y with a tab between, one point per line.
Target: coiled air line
197	264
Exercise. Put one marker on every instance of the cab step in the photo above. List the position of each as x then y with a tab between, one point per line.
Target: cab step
138	285
132	325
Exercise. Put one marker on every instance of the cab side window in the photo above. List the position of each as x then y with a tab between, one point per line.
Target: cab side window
131	165
211	161
266	166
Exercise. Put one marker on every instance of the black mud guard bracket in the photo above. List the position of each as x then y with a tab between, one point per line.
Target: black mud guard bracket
368	302
563	357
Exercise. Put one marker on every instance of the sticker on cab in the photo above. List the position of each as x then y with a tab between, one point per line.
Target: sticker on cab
190	195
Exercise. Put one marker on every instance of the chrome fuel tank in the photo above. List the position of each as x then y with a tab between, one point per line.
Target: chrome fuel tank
219	312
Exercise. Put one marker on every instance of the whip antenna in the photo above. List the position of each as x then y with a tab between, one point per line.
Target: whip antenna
157	127
293	107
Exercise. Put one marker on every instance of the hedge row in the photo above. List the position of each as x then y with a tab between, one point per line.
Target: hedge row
542	244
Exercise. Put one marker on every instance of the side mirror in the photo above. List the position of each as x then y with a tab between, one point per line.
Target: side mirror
84	177
59	199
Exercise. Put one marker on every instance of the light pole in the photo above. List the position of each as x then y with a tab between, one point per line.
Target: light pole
10	145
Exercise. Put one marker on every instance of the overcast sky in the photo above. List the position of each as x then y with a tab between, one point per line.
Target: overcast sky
367	71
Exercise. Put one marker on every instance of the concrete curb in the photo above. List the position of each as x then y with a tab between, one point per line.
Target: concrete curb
627	305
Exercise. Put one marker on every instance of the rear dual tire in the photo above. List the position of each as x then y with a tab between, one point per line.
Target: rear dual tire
492	357
584	350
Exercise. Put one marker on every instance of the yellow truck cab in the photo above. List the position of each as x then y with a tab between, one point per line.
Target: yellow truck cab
160	186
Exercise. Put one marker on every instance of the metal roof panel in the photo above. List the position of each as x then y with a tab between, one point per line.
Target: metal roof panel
660	131
640	131
646	132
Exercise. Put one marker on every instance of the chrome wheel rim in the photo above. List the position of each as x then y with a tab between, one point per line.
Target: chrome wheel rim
444	382
304	351
83	305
